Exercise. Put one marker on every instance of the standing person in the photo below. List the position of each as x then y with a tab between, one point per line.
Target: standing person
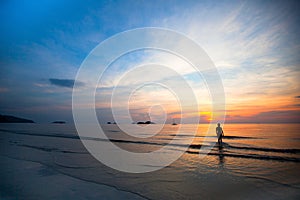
220	134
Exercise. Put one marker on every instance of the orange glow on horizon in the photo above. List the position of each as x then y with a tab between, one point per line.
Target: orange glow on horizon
207	115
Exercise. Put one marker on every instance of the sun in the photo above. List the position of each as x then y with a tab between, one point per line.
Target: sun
207	115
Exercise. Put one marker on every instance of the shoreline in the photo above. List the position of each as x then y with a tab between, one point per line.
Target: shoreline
24	179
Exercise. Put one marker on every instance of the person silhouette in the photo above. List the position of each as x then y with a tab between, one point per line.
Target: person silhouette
220	134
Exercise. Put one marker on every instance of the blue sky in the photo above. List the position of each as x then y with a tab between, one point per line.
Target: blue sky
254	44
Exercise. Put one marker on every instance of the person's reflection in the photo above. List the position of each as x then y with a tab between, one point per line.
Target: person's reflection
221	156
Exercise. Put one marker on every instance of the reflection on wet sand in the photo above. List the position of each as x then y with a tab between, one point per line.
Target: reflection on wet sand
221	156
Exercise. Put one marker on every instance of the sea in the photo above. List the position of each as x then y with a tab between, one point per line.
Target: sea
256	161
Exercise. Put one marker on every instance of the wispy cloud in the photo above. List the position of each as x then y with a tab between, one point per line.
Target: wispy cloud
3	90
69	83
280	116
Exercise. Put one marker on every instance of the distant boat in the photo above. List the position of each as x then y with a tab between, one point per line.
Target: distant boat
174	123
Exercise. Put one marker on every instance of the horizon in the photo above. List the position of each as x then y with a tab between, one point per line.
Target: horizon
114	123
254	45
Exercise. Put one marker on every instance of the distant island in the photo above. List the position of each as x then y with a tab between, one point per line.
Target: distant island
146	122
58	122
13	119
111	123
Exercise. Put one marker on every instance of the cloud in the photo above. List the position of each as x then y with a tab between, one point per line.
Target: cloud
69	83
279	116
3	90
297	97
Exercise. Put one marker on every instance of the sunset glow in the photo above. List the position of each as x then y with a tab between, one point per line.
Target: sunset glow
254	45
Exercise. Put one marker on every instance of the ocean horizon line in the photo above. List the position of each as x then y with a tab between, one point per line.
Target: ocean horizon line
156	123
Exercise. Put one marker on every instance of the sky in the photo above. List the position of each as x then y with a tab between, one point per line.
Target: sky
254	45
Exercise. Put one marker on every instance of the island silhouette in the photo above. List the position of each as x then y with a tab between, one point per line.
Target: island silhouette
146	122
13	119
58	122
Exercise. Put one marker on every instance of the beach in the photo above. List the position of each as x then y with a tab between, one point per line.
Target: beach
130	100
258	161
23	179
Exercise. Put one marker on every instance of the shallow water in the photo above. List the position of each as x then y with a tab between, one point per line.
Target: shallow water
256	160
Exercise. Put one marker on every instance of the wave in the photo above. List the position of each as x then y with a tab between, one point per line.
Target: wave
42	135
71	167
49	149
230	137
86	138
226	146
250	156
270	180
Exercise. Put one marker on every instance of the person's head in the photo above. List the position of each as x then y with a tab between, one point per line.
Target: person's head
218	124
